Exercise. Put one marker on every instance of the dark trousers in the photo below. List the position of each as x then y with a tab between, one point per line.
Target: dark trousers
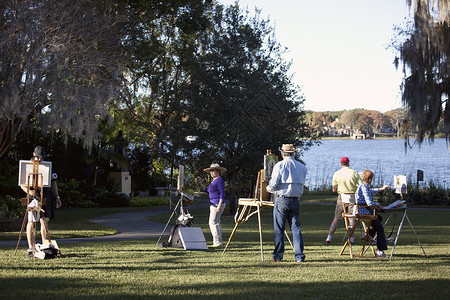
378	228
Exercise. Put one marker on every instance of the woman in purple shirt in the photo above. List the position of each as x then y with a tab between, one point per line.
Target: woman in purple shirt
216	191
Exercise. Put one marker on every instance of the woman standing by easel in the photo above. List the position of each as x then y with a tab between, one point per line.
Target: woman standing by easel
216	191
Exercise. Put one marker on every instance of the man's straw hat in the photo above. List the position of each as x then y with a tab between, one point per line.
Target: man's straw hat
287	148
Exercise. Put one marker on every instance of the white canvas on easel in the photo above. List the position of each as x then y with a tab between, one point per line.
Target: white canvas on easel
400	184
192	238
26	168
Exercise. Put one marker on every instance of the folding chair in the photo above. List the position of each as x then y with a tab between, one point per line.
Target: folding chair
350	230
366	220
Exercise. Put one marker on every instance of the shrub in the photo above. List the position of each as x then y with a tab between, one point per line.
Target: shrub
387	196
148	201
11	207
74	193
105	198
431	195
8	186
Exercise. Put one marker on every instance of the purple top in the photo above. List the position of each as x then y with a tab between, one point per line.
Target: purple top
216	190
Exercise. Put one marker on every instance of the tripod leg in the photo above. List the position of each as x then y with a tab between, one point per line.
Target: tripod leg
417	237
398	234
238	222
231	236
260	233
289	240
168	221
21	230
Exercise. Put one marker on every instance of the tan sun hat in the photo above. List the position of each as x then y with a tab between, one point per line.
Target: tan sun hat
215	167
287	148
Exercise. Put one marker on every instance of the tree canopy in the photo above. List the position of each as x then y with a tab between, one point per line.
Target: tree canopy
184	81
424	49
243	102
59	62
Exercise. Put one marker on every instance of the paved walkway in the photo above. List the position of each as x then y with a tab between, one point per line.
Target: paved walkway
129	226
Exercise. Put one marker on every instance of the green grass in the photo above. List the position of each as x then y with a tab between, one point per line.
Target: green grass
140	269
74	222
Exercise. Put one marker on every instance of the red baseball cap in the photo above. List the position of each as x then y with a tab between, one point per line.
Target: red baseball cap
345	161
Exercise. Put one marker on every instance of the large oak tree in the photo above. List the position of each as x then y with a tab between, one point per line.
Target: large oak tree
59	61
242	99
152	106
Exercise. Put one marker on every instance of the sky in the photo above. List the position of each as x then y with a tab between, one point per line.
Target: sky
339	49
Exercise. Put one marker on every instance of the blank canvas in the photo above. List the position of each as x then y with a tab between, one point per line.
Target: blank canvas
192	238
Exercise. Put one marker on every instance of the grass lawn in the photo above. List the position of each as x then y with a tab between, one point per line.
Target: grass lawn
140	269
74	223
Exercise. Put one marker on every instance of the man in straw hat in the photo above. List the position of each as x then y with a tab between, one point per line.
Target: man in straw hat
288	178
216	191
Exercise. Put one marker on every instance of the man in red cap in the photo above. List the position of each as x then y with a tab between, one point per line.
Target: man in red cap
345	182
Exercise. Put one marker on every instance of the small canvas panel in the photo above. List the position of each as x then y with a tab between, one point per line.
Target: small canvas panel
192	238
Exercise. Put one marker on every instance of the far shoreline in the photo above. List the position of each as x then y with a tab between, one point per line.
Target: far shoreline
372	138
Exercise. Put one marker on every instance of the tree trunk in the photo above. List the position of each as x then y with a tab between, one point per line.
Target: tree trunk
8	132
232	184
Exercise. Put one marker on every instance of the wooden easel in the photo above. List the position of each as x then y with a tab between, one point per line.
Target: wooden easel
260	200
35	181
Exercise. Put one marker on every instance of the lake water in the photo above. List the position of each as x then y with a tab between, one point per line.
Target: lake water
385	158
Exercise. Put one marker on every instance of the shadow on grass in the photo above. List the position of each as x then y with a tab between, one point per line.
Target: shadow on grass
96	288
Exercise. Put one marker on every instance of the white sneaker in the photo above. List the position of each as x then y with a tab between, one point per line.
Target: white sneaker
381	254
